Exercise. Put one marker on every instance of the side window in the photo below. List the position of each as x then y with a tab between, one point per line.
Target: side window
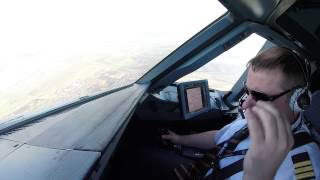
223	71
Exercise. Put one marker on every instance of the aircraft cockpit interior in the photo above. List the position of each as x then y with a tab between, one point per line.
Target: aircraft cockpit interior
183	107
198	86
194	105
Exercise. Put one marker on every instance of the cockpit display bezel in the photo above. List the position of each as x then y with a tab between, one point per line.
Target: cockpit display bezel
193	87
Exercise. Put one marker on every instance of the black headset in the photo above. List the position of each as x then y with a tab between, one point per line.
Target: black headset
301	96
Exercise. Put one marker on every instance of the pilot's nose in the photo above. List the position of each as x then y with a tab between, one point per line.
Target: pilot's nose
248	102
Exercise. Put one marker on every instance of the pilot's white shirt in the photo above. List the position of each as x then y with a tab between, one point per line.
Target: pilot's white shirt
286	170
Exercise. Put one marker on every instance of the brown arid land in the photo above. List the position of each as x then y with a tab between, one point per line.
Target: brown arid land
62	81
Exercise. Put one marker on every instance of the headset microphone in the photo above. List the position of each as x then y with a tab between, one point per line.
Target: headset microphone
240	110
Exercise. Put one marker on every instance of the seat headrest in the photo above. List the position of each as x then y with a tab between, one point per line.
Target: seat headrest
313	111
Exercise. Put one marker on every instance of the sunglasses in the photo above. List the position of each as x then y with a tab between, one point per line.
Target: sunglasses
262	96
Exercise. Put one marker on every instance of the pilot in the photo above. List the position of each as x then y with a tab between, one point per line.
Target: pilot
279	145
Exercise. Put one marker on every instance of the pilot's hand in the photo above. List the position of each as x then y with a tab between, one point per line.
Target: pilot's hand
271	140
171	136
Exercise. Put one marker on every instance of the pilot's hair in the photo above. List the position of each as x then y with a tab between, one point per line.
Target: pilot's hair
283	58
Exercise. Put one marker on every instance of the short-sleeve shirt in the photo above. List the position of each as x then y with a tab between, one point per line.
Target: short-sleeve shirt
287	168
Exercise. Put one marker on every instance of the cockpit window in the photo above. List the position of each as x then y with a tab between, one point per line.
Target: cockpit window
223	71
54	52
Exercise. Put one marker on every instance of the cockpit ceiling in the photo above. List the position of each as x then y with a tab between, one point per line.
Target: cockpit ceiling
301	22
254	10
296	19
305	14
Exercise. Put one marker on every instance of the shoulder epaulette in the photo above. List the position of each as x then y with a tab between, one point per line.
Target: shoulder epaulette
302	166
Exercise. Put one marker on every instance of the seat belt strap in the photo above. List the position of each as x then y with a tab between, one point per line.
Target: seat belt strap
301	139
231	169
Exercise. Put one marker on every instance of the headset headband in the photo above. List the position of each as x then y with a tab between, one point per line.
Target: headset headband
304	66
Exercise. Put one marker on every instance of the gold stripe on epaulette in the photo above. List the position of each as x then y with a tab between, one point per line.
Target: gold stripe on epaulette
305	175
303	169
301	164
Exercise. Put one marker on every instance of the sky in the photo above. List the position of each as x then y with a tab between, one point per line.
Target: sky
41	39
70	26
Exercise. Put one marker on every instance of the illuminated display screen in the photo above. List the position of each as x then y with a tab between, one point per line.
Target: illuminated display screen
194	99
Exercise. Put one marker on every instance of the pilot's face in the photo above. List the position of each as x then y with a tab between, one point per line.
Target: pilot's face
268	83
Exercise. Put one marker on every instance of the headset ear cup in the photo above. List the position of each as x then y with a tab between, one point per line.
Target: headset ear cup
304	99
300	100
294	100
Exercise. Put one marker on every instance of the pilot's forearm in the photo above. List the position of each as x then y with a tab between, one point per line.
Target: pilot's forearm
254	173
204	140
